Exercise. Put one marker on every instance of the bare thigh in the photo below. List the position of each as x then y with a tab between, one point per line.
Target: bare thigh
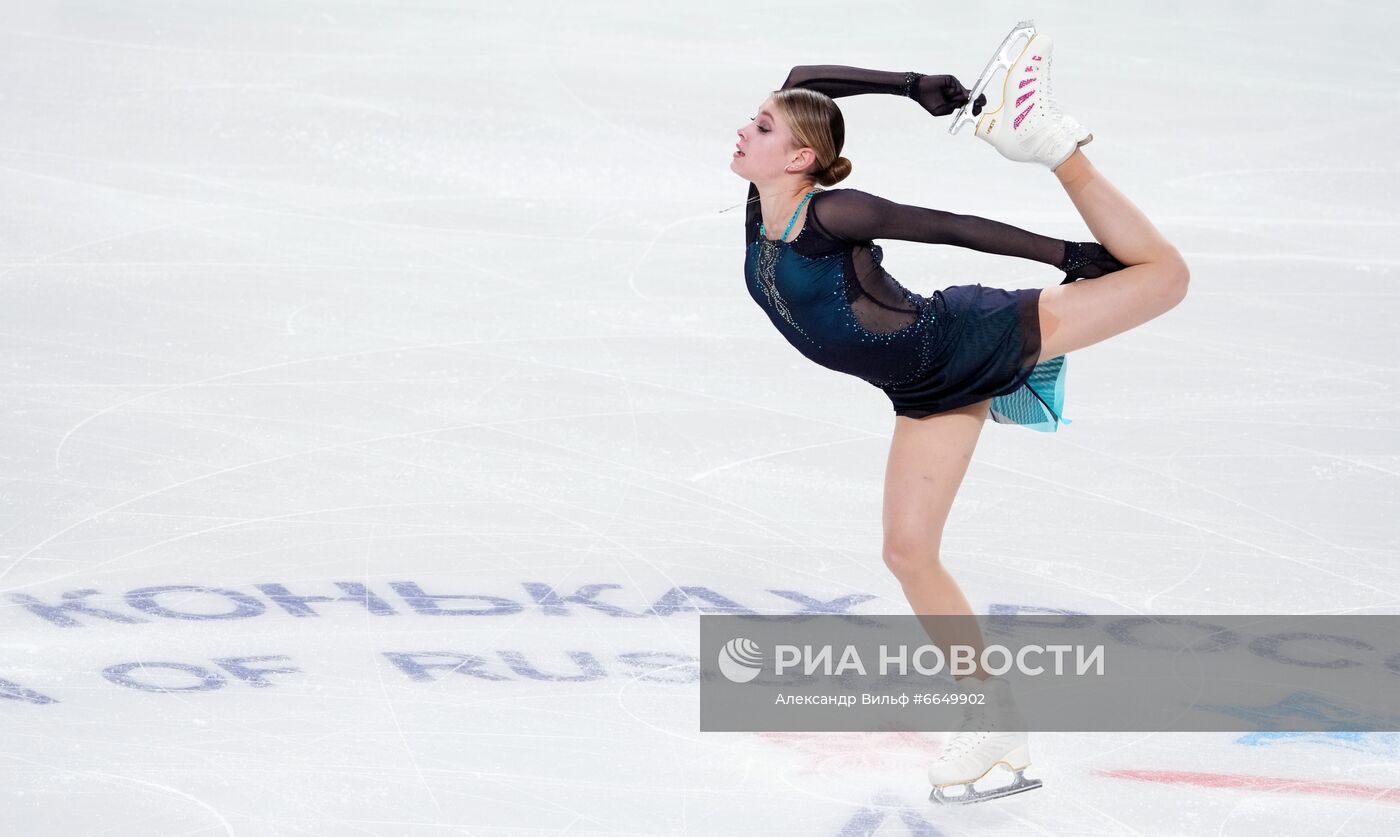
1085	312
927	462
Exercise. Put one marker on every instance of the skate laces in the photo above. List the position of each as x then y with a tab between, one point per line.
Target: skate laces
1043	127
976	726
1062	122
1048	89
962	743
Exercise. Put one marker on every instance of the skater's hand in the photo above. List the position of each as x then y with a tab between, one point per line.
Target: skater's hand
941	95
1096	262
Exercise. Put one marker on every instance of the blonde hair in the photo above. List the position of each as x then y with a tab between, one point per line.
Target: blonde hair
816	123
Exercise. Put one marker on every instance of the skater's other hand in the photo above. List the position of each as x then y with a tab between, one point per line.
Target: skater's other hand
1097	262
941	95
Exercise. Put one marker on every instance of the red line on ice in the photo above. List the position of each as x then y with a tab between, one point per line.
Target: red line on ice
1375	793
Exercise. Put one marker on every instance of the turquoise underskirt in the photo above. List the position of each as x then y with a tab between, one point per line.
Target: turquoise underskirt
1038	403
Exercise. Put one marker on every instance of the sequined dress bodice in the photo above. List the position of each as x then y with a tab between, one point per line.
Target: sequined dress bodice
835	303
827	292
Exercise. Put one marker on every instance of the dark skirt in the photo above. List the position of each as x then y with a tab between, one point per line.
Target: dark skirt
988	347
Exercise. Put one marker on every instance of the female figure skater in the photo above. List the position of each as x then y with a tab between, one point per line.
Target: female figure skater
949	360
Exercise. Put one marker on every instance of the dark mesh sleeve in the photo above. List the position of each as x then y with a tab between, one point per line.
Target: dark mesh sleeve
855	216
836	80
940	95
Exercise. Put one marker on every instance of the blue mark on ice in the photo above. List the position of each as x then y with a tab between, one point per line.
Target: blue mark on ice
1317	710
1371	743
867	820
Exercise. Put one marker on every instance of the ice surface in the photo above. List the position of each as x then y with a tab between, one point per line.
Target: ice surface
388	301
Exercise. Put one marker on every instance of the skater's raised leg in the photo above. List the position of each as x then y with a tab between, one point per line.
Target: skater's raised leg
1155	281
1028	126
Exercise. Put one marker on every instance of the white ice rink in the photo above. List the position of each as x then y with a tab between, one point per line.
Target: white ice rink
387	302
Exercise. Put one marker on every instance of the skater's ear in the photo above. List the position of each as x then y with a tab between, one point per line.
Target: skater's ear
801	158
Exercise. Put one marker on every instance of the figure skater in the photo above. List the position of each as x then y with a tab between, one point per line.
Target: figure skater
949	360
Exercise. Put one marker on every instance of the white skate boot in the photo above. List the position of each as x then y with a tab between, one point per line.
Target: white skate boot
1028	125
986	739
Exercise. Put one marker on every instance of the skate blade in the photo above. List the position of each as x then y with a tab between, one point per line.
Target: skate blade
1001	60
971	795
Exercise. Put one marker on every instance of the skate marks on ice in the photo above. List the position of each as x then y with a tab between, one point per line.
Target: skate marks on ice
842	756
1385	745
1262	784
880	775
850	759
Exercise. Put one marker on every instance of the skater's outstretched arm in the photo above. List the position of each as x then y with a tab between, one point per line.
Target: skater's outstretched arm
939	95
856	216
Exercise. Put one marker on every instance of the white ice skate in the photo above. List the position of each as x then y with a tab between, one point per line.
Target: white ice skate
1027	126
986	739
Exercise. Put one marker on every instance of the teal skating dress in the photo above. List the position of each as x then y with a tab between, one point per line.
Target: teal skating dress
827	291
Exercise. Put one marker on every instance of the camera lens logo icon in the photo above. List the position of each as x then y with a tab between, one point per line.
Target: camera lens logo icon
740	660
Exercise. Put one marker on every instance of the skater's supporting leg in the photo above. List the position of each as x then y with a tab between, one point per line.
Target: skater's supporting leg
928	458
1084	313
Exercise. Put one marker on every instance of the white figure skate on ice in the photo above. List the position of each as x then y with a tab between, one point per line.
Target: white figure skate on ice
987	737
1027	126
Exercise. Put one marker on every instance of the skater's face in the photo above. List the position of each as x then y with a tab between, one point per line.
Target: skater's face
768	149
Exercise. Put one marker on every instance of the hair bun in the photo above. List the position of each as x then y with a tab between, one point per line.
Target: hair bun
839	170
